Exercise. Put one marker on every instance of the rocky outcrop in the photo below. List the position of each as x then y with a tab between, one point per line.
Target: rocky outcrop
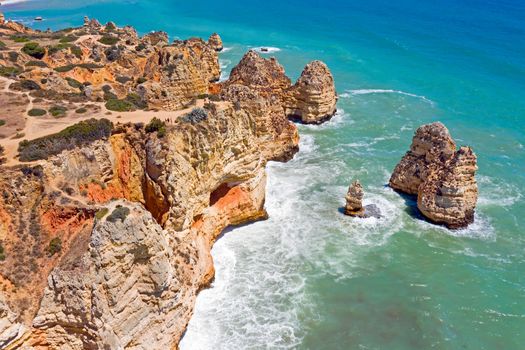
442	177
313	98
354	200
215	42
354	203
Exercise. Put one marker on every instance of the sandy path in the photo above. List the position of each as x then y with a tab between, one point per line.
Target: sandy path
36	127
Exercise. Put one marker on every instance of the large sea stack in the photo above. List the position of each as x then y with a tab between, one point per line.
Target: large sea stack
442	177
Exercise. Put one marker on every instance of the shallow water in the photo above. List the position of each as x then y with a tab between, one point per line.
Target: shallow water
311	278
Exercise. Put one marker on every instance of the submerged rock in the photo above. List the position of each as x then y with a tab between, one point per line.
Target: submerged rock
215	42
441	177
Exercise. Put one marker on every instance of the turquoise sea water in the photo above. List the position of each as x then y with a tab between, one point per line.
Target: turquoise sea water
310	278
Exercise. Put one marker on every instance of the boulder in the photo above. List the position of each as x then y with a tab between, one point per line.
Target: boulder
442	177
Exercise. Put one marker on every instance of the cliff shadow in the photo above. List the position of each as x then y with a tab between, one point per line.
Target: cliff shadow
411	205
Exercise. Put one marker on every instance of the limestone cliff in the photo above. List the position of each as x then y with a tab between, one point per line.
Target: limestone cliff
442	177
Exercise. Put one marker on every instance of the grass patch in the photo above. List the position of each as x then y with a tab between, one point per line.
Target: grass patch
34	50
108	40
59	47
69	67
101	213
73	136
18	135
2	122
117	105
119	213
76	50
81	110
36	112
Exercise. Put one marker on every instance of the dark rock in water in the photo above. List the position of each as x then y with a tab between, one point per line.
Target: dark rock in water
372	211
264	49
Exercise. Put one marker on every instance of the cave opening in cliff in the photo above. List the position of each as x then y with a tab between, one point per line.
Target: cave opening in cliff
220	192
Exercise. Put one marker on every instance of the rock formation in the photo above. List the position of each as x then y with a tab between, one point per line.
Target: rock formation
106	243
215	42
313	98
442	177
354	203
354	200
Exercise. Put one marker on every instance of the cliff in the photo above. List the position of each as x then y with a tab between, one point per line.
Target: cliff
106	235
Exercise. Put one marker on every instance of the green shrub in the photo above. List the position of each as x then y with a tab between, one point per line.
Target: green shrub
36	112
73	136
58	111
40	64
74	83
117	105
2	45
101	213
59	47
64	69
18	135
141	80
123	80
136	100
26	84
2	122
77	51
156	125
55	246
90	66
140	47
19	39
34	50
108	40
68	39
197	115
9	71
119	213
81	110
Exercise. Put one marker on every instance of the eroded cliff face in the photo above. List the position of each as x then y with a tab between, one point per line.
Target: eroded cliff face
129	282
442	177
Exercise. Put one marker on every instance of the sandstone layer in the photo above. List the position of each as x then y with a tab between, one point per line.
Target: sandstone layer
442	177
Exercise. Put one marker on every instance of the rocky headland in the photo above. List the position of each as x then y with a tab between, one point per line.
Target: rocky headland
442	177
106	226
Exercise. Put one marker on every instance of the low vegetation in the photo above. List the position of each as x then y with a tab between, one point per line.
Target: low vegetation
36	112
119	213
34	50
73	136
2	252
81	110
55	246
101	213
68	39
114	104
108	40
9	71
19	38
156	125
58	111
74	83
40	64
197	115
2	122
67	68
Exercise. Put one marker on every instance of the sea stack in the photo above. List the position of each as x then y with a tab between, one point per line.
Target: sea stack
313	98
354	200
442	177
215	42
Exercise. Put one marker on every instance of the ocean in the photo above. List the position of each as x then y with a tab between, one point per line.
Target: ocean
312	278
